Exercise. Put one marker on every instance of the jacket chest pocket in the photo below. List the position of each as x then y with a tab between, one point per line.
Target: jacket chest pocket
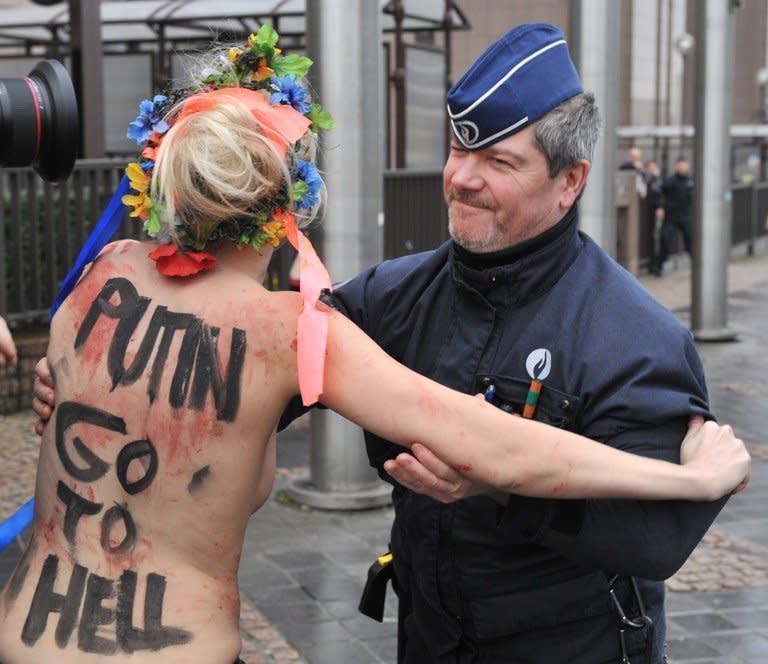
511	395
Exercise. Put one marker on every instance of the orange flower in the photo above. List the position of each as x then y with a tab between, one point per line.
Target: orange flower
274	231
263	70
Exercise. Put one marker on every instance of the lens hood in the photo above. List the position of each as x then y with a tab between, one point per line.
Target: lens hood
61	126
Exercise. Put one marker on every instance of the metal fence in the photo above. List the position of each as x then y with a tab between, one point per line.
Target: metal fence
750	214
42	226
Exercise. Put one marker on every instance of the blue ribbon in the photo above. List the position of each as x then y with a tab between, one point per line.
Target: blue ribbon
105	229
17	523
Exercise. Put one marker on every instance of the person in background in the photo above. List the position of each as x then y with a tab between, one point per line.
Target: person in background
653	213
8	353
634	160
635	163
677	191
524	308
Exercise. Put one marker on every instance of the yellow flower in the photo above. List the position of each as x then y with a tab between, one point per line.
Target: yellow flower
235	53
140	202
138	177
251	40
275	231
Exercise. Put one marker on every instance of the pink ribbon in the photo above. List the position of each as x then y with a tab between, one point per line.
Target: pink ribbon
312	333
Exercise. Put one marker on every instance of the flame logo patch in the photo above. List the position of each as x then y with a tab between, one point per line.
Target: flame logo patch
538	364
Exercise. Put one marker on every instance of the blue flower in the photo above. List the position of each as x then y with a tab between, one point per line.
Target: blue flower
290	92
307	184
149	120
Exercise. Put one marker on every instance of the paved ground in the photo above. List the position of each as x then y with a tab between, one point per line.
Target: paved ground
302	569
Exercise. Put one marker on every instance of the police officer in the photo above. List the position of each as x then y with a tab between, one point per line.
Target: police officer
677	192
521	306
654	213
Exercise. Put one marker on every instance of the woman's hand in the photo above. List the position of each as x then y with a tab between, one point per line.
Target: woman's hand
721	458
44	400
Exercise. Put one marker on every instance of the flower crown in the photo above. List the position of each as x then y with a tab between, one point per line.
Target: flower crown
257	66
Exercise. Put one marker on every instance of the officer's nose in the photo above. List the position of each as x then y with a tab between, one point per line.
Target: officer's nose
466	173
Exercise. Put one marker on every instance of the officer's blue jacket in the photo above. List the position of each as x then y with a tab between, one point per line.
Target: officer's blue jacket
529	582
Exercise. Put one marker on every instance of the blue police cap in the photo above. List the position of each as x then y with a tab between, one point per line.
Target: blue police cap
516	81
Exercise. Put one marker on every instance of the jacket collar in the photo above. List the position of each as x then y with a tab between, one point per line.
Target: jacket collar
522	271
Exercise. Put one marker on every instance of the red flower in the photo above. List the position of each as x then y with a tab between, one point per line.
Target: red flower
172	262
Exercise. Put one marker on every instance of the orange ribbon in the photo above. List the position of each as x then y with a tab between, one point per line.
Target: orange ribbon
283	125
312	333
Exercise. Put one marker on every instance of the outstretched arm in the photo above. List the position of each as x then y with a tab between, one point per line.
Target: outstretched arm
489	448
423	472
473	437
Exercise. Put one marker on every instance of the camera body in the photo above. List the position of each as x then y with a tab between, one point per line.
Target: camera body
39	124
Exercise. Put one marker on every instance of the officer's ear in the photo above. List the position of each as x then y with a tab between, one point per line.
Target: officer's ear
574	177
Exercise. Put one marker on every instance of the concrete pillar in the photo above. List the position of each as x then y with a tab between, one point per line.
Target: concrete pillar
594	41
347	77
712	207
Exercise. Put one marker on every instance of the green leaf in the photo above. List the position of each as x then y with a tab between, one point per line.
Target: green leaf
258	240
295	64
153	224
320	119
266	37
300	189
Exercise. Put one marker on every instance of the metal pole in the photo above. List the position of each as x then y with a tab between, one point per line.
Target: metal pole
712	208
598	64
340	476
667	92
88	73
657	80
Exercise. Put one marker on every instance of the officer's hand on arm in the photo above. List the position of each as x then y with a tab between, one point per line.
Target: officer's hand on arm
422	472
8	354
45	397
716	450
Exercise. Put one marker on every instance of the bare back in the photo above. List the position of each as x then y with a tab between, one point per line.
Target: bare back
160	448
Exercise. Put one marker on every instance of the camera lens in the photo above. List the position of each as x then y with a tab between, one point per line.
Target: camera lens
39	124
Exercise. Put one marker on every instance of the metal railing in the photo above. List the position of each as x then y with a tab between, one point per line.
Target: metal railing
42	227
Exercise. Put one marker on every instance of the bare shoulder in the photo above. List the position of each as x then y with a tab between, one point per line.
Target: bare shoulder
120	247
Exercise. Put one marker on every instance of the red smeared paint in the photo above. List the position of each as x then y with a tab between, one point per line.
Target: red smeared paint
49	529
294	345
95	436
92	352
91	494
560	488
463	468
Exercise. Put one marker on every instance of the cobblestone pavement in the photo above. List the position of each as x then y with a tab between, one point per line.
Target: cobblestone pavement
302	569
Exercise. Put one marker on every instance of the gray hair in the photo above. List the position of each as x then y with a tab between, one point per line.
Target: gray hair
569	132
